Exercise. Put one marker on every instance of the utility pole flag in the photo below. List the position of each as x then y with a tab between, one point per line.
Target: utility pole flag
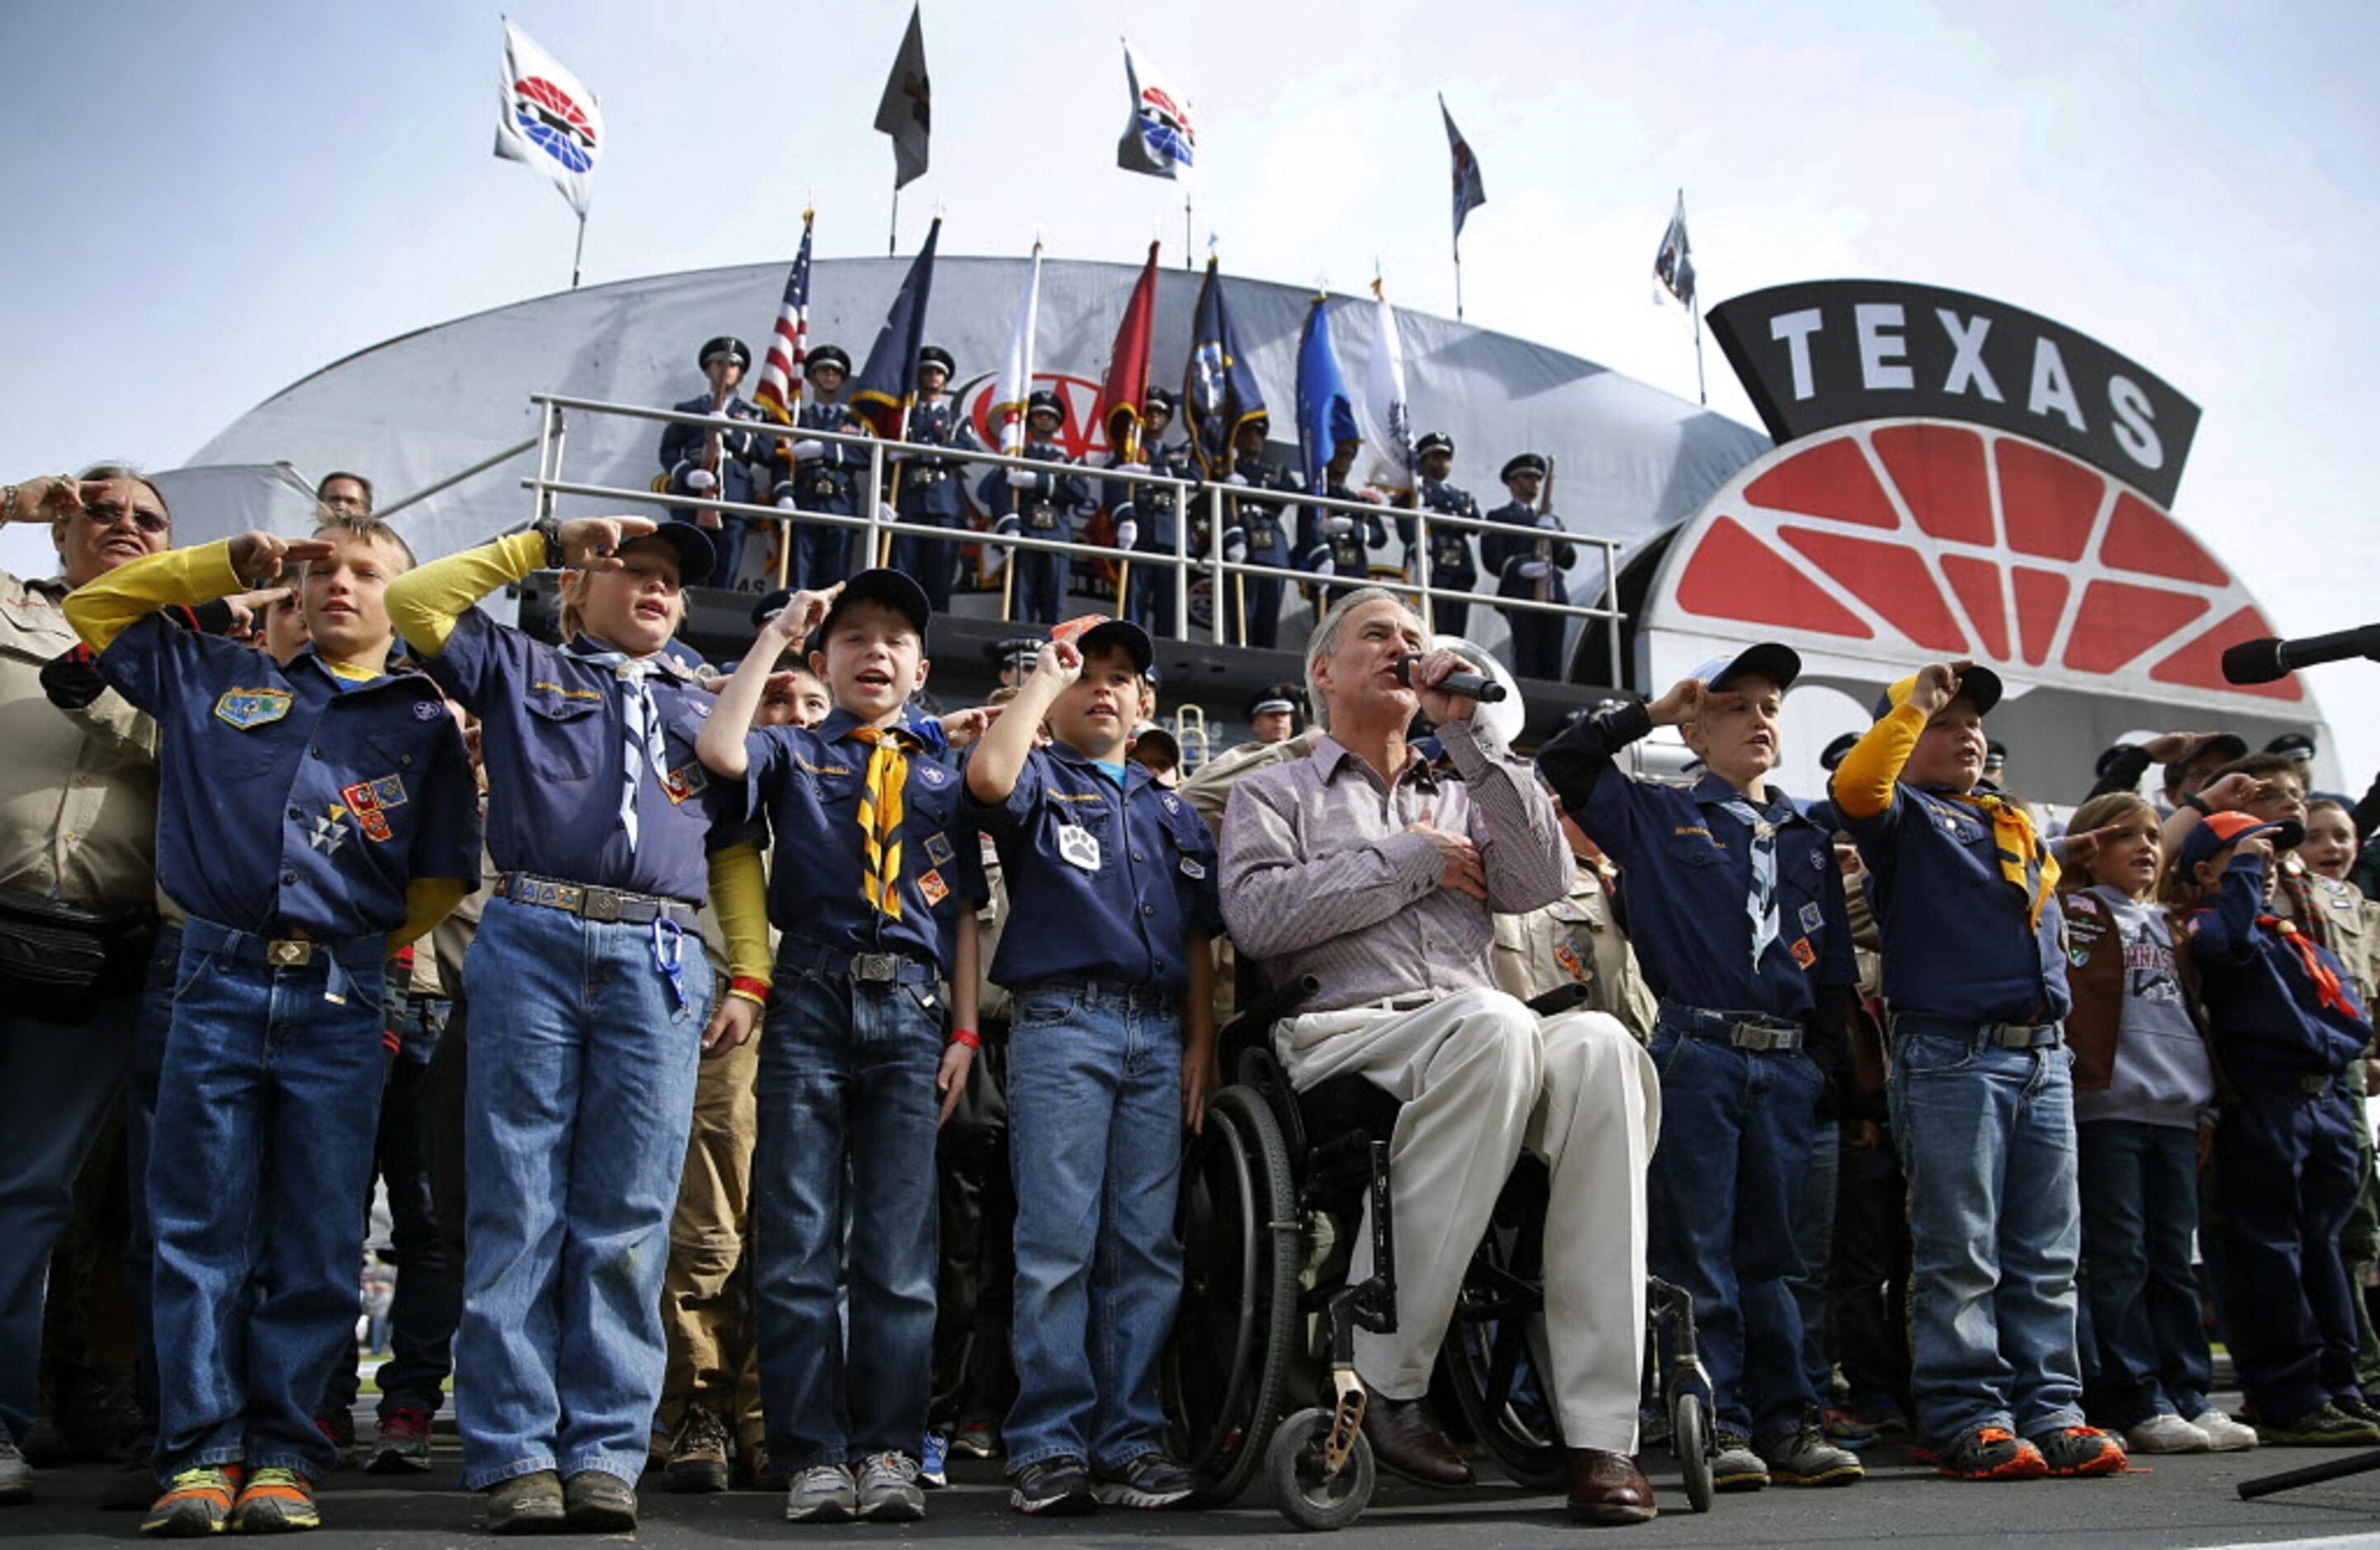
546	119
1673	266
905	112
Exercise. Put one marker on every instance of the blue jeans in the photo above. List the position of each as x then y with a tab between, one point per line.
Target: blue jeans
1095	1148
262	1146
155	1020
582	1067
1987	1138
1723	1194
2287	1168
2140	1212
846	1093
1814	1235
57	1080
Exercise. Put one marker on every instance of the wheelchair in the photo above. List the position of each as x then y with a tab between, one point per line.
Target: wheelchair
1260	1373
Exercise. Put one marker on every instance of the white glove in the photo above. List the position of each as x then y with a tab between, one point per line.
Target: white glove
885	513
1548	519
1324	567
700	481
807	450
1534	570
1127	534
1023	479
1235	551
1338	524
1132	467
1239	479
995	558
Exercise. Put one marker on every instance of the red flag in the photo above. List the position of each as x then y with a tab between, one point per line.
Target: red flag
1127	381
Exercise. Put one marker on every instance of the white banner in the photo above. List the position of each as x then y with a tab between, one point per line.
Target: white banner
1158	137
547	118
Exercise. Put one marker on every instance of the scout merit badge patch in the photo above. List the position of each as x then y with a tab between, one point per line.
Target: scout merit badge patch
1573	964
687	781
930	884
938	849
371	800
1812	917
1078	846
1803	954
252	707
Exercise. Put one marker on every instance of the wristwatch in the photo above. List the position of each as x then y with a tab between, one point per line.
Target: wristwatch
549	530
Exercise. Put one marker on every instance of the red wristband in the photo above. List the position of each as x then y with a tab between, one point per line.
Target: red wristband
749	988
967	1037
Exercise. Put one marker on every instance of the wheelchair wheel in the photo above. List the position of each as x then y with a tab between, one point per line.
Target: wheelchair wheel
1494	1354
1237	1331
1293	1464
1690	1440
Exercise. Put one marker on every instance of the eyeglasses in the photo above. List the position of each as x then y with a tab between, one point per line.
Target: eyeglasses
107	514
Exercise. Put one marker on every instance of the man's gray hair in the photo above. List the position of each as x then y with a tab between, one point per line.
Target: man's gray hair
1324	641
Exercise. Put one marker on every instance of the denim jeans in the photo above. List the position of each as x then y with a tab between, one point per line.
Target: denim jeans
582	1066
2140	1213
1095	1134
1724	1195
843	1199
1814	1235
155	1020
1987	1138
2285	1165
262	1143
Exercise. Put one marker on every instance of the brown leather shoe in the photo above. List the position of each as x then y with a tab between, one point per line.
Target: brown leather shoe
1406	1440
1607	1488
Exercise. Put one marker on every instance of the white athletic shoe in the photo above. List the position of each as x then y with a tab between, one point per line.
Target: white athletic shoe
2166	1434
2223	1433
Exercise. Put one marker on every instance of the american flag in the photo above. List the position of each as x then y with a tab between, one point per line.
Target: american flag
779	388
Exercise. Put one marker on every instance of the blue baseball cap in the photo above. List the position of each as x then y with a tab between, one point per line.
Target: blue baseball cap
1978	684
1779	664
2228	829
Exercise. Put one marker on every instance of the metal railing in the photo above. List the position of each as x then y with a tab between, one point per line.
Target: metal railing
1222	499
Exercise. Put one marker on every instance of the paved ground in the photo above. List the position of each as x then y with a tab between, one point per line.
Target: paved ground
2177	1502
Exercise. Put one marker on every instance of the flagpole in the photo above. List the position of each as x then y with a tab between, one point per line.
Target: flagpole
1186	265
1458	279
892	232
579	252
1694	307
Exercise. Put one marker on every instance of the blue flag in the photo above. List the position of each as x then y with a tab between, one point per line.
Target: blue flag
887	385
1326	417
1470	193
1219	390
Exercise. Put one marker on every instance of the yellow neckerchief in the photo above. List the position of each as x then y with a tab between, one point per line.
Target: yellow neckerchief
2026	862
879	817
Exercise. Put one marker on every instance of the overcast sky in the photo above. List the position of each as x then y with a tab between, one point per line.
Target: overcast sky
199	204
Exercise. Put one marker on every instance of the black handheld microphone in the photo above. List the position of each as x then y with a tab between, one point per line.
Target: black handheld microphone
1470	686
2260	662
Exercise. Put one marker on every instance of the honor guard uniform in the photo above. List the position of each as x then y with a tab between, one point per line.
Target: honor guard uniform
930	493
1253	533
1336	543
823	473
1529	564
1149	515
1039	506
1452	569
690	467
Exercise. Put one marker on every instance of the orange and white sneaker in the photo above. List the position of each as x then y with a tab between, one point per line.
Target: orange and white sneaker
1991	1453
196	1503
2076	1452
275	1501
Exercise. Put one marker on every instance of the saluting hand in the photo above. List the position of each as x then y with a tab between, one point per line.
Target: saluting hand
2167	747
2230	793
593	543
802	612
1937	685
248	609
960	728
1059	662
258	557
48	498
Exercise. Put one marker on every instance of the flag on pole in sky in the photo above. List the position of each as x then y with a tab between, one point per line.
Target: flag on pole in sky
887	385
1326	417
1220	391
1127	381
1469	192
779	388
1385	415
1015	387
546	118
1673	266
905	112
1158	137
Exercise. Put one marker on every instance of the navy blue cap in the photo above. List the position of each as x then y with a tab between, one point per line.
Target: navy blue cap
1779	664
695	555
1978	684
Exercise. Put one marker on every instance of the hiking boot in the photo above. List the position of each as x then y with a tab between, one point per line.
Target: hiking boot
758	1473
2355	1408
2323	1427
1151	1482
597	1503
1734	1465
16	1475
888	1491
821	1494
274	1501
934	1461
1991	1453
196	1502
2223	1433
527	1503
2165	1433
1053	1488
698	1455
1804	1457
401	1445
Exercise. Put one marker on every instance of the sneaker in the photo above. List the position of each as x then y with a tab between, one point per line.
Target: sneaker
2325	1426
527	1503
198	1502
597	1503
1804	1457
1734	1465
934	1461
2223	1433
698	1455
821	1494
1844	1429
976	1439
888	1489
16	1475
2166	1434
1053	1488
274	1501
1991	1453
2355	1408
1151	1482
401	1445
339	1427
2079	1452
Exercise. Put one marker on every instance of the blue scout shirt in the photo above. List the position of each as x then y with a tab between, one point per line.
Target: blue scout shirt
809	781
1114	877
553	733
291	799
2261	1009
1956	944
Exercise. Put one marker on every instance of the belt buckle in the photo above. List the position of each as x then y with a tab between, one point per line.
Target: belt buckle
600	905
289	954
2012	1036
875	968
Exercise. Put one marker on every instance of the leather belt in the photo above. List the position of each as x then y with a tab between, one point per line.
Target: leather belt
861	968
599	904
2004	1035
1745	1030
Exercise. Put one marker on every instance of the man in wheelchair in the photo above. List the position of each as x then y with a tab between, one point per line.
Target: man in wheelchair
1375	873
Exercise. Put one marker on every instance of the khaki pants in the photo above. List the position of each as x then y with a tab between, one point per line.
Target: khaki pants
706	1313
1480	1078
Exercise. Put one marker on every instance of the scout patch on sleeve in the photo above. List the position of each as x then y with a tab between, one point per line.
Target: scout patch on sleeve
685	780
1803	954
245	709
1191	868
930	884
371	800
1812	917
938	849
